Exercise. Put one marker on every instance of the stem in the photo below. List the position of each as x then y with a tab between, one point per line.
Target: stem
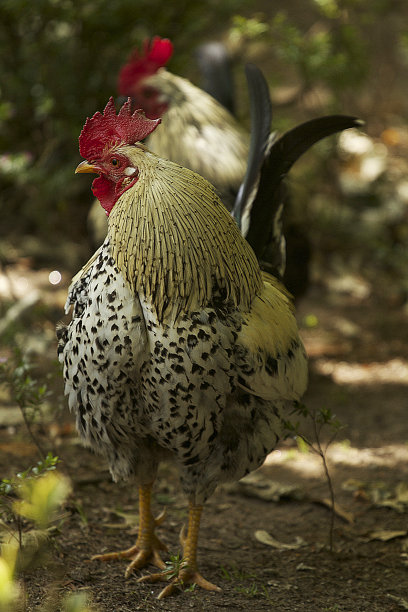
32	436
20	532
11	531
329	483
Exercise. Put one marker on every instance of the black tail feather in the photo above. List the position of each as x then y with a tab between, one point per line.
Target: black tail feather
261	117
282	155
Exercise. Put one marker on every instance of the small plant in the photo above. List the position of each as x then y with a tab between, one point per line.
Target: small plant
42	492
48	464
41	497
319	419
10	488
174	565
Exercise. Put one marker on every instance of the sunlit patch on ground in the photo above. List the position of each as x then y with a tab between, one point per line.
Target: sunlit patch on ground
340	453
391	372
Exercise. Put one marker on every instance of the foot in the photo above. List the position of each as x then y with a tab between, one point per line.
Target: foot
146	551
185	576
140	557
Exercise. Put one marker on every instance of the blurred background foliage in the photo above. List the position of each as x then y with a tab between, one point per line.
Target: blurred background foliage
59	62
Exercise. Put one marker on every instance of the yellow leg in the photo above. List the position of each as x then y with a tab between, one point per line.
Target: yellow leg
188	571
147	547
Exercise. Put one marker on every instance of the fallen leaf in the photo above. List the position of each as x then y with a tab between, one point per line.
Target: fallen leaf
386	534
265	538
257	485
344	514
302	567
129	519
393	504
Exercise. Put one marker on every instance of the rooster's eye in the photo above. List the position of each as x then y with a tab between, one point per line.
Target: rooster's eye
114	162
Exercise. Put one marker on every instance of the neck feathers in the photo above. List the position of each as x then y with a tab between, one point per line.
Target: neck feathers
174	242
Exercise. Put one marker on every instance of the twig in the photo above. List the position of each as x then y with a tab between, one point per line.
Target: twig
329	482
32	436
325	419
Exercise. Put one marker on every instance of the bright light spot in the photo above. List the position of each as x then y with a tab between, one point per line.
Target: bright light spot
354	142
54	277
394	371
129	171
372	166
310	465
311	320
402	190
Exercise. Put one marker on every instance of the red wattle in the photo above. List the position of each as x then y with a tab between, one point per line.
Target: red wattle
108	192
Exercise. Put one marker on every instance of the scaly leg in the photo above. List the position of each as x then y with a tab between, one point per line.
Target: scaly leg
147	547
188	571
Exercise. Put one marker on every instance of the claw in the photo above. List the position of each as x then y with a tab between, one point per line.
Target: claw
148	546
159	519
182	536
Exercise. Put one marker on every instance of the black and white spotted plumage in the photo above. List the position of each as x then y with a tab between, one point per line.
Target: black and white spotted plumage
143	390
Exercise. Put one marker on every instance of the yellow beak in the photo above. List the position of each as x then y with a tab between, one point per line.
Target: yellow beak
85	166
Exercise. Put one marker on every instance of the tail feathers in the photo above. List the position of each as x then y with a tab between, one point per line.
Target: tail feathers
264	231
261	118
215	65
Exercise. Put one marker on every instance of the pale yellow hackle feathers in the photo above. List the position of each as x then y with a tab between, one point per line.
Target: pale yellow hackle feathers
172	239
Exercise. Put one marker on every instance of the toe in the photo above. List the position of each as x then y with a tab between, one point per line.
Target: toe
159	577
185	578
122	554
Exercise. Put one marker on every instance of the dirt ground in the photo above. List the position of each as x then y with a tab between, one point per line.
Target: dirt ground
359	369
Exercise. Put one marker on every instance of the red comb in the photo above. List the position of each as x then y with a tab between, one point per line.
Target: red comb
110	129
156	53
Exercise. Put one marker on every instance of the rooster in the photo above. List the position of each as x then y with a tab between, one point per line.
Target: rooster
199	133
179	346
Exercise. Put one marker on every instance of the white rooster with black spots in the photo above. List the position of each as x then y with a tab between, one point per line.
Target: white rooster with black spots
179	346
